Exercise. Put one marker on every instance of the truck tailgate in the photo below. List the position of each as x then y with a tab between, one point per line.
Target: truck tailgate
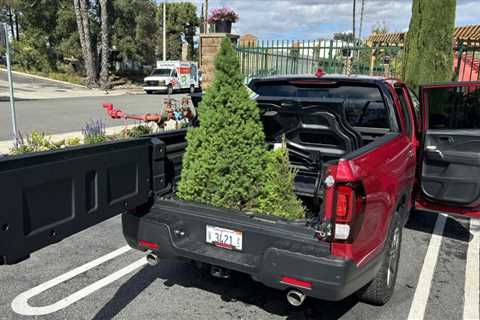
184	226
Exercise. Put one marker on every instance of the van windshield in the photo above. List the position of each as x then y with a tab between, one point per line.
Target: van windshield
161	72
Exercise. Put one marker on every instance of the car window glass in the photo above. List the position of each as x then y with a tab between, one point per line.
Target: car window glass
404	104
454	107
364	105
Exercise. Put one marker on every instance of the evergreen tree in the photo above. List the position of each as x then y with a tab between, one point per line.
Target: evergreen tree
428	47
226	163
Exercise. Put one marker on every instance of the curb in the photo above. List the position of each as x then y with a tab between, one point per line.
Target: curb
45	78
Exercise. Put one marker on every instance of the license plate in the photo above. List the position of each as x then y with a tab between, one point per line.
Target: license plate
224	238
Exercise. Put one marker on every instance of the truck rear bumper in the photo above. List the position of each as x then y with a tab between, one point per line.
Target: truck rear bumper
330	278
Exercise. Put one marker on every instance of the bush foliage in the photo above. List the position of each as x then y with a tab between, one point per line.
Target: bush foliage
226	163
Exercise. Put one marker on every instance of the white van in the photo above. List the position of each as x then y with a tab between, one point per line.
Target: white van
169	76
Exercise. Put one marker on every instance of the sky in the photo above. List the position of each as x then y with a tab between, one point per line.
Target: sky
317	19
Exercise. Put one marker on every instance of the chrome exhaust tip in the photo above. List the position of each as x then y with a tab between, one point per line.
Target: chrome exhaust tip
152	259
295	297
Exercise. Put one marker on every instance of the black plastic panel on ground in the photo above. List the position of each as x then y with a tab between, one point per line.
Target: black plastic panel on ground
46	197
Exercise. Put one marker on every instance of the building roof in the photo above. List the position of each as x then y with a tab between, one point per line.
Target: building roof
462	34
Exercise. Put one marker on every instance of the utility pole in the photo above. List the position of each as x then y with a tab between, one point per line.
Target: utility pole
353	18
205	16
362	13
10	81
165	30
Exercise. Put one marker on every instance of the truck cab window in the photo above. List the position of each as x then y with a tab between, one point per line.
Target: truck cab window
453	108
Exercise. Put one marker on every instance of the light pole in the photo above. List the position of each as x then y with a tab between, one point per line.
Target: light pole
10	83
165	30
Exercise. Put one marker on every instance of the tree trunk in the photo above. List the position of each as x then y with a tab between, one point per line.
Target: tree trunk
429	42
17	35
81	12
104	81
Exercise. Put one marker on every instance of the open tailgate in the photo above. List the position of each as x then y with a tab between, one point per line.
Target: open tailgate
49	196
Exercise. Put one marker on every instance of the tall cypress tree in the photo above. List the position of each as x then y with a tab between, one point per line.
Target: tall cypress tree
428	46
226	163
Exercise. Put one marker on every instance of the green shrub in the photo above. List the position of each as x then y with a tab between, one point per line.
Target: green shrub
34	142
226	162
139	131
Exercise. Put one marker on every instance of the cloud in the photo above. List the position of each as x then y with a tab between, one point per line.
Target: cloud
314	19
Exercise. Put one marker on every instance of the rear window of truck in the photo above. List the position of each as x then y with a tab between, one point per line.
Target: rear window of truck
364	105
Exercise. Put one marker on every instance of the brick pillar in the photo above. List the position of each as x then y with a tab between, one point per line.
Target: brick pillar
209	46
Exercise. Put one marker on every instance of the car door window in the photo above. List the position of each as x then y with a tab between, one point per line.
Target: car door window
405	113
174	73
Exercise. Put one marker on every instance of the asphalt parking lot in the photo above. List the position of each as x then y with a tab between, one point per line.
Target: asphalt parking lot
103	279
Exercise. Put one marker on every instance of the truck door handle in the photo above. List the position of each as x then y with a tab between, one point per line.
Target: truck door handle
433	153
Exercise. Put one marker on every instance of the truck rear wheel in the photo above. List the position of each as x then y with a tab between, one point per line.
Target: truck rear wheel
169	89
192	89
380	290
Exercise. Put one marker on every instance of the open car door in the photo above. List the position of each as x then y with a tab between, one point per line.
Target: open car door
449	179
49	196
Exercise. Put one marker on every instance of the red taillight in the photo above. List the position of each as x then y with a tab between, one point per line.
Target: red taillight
345	203
349	207
296	282
148	244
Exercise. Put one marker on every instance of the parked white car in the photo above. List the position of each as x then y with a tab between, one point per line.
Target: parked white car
169	76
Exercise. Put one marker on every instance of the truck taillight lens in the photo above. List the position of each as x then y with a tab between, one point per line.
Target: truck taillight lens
345	202
349	207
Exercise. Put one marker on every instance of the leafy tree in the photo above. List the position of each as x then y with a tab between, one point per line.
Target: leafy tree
226	163
344	36
33	53
66	36
428	44
182	23
134	29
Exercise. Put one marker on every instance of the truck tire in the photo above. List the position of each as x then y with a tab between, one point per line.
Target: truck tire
192	89
380	290
169	89
149	92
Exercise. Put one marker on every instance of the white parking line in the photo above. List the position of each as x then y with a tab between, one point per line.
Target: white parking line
20	303
419	303
471	309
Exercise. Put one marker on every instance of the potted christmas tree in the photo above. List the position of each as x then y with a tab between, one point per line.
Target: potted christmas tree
227	163
222	19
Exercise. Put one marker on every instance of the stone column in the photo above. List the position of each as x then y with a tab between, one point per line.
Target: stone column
209	46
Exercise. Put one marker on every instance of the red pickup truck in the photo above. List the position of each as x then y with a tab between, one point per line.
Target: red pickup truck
366	151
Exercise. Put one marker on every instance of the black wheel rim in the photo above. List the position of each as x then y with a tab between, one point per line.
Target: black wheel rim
393	257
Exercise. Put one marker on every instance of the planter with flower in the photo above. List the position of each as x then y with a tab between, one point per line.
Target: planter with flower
222	19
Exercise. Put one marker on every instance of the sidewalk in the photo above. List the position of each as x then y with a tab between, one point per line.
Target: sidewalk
33	87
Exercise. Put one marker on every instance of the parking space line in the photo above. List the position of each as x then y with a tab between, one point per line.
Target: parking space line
471	309
20	303
420	298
